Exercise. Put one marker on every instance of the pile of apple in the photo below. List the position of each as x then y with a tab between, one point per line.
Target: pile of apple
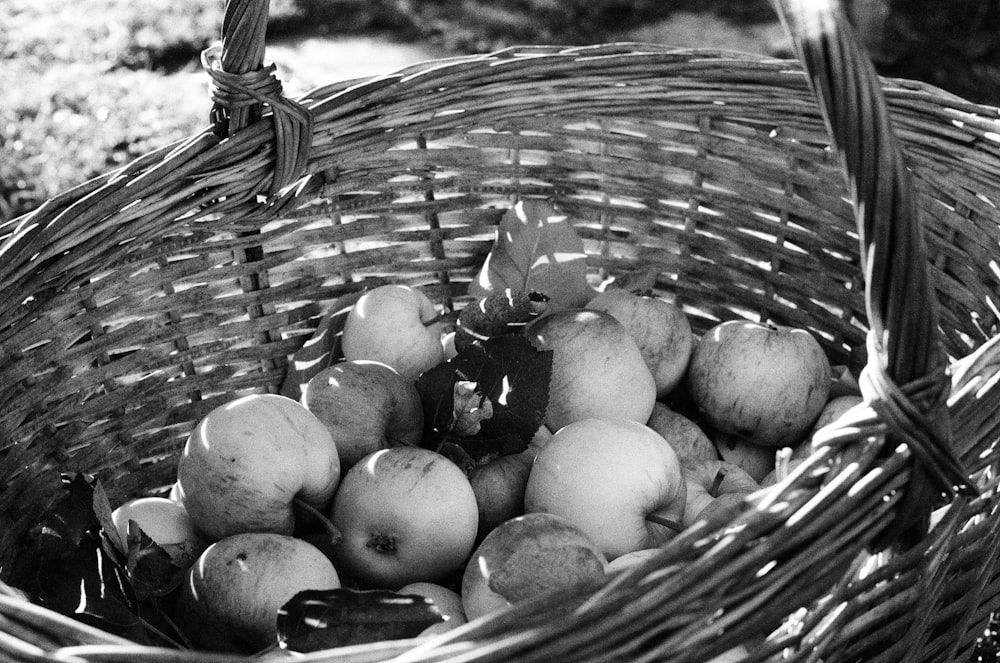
648	428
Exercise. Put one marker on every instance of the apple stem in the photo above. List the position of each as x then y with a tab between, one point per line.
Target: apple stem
720	476
669	523
440	317
335	534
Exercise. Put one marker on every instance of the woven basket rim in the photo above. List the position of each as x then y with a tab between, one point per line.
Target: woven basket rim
206	158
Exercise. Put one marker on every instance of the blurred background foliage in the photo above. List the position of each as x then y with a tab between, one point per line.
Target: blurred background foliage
91	84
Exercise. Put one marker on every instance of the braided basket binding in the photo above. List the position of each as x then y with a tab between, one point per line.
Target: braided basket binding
133	304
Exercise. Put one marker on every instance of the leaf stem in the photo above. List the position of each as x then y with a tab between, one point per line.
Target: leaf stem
162	614
443	316
720	476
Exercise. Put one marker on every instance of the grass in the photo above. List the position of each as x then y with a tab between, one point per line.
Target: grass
91	84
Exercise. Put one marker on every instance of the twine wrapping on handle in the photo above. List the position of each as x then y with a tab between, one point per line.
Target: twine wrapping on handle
905	380
242	86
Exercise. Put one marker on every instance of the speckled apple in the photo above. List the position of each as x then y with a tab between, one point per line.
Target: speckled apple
597	368
765	382
616	479
232	593
526	556
247	462
396	325
366	405
684	435
406	515
660	329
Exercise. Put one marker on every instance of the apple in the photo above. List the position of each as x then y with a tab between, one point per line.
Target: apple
406	514
274	653
366	405
447	601
784	465
660	329
597	369
499	483
232	593
616	479
685	436
765	382
843	382
526	556
448	343
757	460
713	487
247	463
835	408
176	494
630	559
734	655
397	325
163	520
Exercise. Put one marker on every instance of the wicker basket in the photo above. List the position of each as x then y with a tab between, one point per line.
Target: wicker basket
134	303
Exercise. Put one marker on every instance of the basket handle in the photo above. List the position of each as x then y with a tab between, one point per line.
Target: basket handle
905	380
242	86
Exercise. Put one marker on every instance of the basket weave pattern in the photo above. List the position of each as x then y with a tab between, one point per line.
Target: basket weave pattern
135	303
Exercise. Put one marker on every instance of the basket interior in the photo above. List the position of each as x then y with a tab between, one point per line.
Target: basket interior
169	287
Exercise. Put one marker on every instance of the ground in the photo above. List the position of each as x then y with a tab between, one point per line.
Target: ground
92	84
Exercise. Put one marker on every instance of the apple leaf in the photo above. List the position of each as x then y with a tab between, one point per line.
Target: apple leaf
71	518
103	511
538	250
71	567
314	620
156	570
500	312
508	371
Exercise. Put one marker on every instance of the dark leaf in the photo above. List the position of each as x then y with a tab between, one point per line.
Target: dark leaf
71	518
71	567
155	570
90	585
500	312
536	249
103	511
511	373
322	619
